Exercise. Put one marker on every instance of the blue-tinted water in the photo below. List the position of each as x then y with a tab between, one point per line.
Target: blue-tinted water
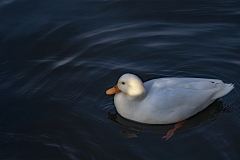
57	58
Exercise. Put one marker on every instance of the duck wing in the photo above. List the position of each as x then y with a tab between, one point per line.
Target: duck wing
180	98
191	83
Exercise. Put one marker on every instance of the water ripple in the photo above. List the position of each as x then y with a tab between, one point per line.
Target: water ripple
58	59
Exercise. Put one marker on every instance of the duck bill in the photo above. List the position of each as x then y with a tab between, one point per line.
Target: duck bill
113	90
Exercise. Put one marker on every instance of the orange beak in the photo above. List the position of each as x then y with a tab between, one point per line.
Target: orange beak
113	90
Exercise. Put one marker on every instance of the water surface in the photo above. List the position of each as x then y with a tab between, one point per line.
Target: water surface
57	58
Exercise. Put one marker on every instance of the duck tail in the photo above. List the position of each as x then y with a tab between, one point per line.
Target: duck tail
225	89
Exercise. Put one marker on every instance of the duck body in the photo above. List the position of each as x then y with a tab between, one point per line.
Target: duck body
165	100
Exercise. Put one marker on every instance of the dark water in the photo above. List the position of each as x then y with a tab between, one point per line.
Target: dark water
58	57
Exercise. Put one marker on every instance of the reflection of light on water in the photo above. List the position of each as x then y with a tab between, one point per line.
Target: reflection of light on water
63	62
6	2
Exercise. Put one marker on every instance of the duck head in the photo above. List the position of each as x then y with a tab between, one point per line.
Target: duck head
130	85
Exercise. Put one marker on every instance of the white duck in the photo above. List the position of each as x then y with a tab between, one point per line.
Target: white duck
165	100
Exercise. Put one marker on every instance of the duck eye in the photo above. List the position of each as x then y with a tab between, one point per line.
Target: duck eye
123	83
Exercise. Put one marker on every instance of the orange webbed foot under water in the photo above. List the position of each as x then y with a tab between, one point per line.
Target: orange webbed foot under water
170	133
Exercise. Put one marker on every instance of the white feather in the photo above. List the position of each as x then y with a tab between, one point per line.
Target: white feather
166	100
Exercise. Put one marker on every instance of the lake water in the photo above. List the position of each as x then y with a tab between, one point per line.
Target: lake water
58	57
